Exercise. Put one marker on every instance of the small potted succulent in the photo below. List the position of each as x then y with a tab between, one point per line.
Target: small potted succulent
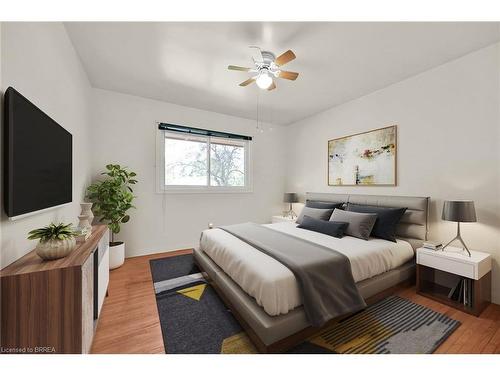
56	240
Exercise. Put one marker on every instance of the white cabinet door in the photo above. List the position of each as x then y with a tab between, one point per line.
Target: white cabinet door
103	271
87	304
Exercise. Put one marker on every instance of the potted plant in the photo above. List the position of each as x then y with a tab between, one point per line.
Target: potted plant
112	198
56	240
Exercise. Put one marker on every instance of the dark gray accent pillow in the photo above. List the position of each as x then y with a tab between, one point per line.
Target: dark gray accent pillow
360	224
321	204
315	213
331	228
387	219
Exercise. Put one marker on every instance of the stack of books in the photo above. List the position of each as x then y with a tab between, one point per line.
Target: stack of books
433	245
462	292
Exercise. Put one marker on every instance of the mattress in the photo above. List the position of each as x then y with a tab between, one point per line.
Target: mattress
273	285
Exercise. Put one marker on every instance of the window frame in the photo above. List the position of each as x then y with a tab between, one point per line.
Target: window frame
161	187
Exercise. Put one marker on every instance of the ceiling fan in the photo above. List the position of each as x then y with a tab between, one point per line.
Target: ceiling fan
267	67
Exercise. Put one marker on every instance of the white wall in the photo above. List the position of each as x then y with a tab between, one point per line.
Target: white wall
125	133
39	60
448	144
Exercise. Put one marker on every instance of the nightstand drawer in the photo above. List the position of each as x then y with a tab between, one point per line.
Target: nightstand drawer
446	264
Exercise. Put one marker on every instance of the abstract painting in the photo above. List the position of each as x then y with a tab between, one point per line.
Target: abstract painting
367	158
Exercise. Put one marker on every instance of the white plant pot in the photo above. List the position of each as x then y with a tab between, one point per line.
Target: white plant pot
55	249
116	254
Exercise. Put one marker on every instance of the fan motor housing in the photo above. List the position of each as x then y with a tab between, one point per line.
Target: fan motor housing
268	57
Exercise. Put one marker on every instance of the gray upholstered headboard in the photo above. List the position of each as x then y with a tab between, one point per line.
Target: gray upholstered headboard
414	224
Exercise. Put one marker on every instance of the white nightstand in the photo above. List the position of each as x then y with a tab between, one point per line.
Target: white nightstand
279	219
476	268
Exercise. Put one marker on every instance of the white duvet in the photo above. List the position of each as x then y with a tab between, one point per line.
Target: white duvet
273	285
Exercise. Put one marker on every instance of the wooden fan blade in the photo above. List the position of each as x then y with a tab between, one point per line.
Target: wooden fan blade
272	87
285	58
247	82
240	68
288	75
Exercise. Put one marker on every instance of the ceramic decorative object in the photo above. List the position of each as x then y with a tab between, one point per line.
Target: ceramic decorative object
81	235
87	210
55	240
55	249
84	223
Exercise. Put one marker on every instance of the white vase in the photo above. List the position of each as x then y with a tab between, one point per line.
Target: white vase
87	210
55	249
116	254
84	223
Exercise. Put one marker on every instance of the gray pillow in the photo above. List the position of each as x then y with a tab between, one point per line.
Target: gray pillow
315	213
360	224
321	204
331	228
387	219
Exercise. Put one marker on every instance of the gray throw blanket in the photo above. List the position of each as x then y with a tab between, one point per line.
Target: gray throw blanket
324	275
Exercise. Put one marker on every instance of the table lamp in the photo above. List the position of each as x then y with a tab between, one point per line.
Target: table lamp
460	212
290	198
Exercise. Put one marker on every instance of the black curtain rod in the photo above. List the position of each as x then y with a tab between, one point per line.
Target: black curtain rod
197	131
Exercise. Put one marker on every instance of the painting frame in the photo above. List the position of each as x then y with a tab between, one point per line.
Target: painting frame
394	166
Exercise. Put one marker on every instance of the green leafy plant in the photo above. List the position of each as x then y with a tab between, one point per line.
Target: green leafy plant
113	196
53	231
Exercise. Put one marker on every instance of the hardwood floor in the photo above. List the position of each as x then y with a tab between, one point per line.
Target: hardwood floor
129	320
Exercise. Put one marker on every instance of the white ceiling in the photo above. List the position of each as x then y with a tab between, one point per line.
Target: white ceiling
186	63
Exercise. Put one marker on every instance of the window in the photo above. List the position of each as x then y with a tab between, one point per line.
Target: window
191	162
186	161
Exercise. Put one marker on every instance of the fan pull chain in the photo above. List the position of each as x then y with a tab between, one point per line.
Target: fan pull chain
259	128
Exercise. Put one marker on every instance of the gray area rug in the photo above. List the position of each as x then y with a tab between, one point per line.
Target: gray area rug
194	320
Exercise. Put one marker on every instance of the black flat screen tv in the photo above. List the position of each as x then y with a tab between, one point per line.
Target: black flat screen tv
37	158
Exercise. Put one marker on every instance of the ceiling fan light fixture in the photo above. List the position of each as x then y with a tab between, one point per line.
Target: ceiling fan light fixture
267	69
264	80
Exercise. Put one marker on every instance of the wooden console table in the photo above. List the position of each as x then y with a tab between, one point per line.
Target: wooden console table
53	306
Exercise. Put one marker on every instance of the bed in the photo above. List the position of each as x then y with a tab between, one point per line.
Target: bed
263	293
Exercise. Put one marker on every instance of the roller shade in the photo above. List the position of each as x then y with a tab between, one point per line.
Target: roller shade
198	131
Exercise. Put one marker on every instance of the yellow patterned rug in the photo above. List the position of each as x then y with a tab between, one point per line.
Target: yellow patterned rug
194	320
394	325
